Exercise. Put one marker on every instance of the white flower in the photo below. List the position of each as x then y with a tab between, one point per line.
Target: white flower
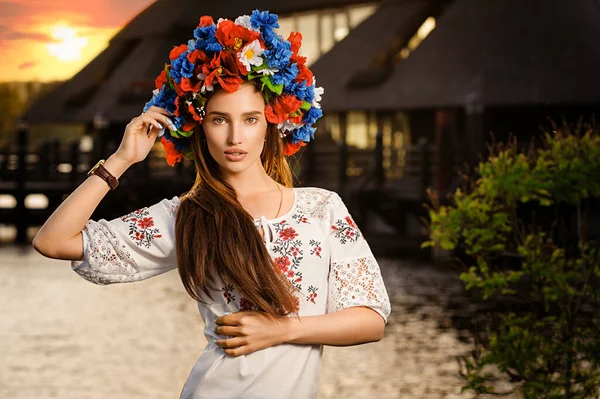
155	92
318	92
269	71
204	88
251	55
289	126
244	21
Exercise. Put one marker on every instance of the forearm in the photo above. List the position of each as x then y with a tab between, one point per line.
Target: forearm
352	326
57	238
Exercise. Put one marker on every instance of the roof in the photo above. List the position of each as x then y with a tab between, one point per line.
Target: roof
119	81
498	53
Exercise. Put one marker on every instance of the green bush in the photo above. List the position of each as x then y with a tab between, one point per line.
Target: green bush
527	225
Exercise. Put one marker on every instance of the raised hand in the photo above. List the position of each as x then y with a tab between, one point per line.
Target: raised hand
141	133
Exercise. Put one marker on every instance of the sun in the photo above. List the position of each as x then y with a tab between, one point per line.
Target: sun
67	46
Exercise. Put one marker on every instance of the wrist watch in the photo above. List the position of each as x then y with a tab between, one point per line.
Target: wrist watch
100	171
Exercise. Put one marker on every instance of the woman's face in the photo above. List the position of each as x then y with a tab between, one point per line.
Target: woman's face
235	128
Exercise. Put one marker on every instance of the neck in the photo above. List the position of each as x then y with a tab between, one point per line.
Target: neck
249	181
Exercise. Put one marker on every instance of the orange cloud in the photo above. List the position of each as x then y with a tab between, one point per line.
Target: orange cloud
26	40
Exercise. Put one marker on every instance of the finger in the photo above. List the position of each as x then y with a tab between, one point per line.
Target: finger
228	320
228	330
239	351
150	119
231	343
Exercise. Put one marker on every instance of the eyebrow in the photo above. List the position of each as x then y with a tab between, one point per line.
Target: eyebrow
249	113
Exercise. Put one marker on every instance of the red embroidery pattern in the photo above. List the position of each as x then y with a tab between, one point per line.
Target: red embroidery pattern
245	304
141	228
315	248
228	293
345	230
313	293
300	219
290	251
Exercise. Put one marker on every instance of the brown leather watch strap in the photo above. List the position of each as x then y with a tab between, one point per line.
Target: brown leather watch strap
105	175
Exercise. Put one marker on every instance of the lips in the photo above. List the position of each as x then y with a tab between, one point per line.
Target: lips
235	154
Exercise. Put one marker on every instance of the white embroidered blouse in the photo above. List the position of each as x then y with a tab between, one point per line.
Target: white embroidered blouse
316	244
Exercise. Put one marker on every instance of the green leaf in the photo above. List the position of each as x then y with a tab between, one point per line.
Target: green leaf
277	89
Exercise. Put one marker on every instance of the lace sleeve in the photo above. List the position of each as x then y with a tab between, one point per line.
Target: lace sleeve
130	248
354	274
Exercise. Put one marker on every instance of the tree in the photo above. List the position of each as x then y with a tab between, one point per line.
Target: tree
527	224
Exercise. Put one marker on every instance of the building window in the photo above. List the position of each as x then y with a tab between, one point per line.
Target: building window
323	28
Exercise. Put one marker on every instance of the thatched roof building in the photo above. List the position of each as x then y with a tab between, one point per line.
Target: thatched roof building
119	81
494	52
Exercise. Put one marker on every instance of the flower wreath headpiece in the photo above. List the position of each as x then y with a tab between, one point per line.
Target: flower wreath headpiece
227	54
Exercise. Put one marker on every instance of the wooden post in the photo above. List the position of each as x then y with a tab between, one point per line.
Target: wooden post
425	166
379	171
21	213
74	161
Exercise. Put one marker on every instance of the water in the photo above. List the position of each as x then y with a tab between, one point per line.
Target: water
62	337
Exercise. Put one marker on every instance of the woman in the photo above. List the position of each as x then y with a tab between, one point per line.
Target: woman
277	271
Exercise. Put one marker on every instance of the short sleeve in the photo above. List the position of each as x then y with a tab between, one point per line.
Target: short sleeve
354	275
130	248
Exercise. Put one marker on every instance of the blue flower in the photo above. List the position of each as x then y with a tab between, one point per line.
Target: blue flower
263	20
187	68
285	76
179	67
300	90
207	40
165	98
279	55
181	144
305	133
312	115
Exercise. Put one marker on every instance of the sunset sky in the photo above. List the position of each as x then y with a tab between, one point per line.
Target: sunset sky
53	39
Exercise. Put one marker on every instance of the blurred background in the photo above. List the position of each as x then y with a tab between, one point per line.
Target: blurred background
413	89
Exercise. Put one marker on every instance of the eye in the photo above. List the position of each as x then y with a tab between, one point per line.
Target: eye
252	119
219	120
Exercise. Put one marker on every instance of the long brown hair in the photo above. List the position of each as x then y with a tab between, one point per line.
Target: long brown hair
215	236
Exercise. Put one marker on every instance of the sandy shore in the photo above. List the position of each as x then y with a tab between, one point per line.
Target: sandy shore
62	337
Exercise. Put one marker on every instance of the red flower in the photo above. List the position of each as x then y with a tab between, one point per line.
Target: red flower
146	223
281	107
224	68
294	251
288	234
161	79
205	20
173	155
197	55
290	274
177	51
234	36
304	74
295	40
187	85
349	233
290	148
188	126
139	236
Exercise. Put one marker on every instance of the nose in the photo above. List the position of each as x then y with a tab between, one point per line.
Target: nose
235	134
